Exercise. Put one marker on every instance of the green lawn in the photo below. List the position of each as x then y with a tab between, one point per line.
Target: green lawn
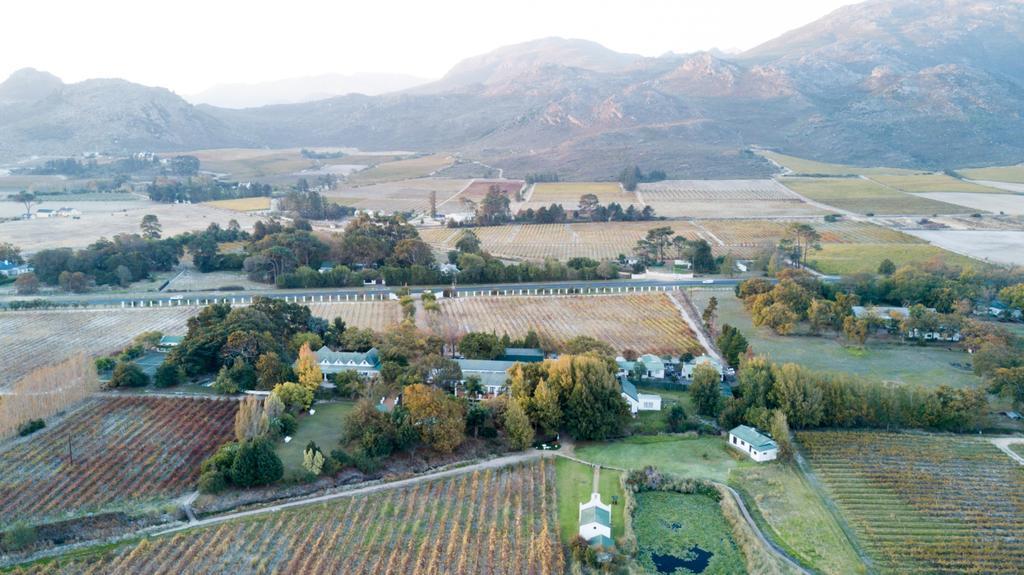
673	528
846	259
796	517
324	427
655	421
906	364
575	482
703	457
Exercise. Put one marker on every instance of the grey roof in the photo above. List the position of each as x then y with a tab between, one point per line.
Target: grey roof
484	365
595	514
755	438
343	358
628	388
601	541
171	339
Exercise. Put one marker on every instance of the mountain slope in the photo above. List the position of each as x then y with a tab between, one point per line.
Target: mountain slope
305	89
913	83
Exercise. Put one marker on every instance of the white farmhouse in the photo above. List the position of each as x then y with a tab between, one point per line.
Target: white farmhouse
331	362
638	401
755	444
596	522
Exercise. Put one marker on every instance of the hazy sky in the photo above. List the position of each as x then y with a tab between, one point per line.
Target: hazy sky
189	45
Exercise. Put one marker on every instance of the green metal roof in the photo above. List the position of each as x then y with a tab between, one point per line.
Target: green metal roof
628	388
171	339
595	514
524	354
601	541
754	438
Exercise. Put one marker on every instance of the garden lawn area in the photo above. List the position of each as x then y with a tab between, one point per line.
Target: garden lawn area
684	533
866	197
846	259
324	427
703	457
575	481
785	506
925	365
657	421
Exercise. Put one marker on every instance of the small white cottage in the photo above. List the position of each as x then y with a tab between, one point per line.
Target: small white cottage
755	444
596	522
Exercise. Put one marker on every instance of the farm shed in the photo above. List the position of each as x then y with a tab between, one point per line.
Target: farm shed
755	444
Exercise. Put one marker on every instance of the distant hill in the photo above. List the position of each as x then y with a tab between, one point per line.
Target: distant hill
305	89
909	83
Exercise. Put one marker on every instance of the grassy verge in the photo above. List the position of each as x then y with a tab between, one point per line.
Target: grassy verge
324	427
786	507
703	457
846	259
574	483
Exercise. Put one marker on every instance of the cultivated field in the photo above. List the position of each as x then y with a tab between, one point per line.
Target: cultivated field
599	241
866	197
568	194
500	522
723	198
802	166
126	450
377	315
242	204
107	219
746	237
921	183
1007	203
399	196
1013	174
31	339
402	169
925	503
841	259
1001	247
647	323
261	163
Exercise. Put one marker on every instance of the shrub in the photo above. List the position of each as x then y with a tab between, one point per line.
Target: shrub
284	425
295	397
105	364
31	426
19	537
256	464
676	419
212	482
128	374
168	374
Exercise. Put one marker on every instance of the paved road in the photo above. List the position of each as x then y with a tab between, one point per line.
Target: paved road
378	292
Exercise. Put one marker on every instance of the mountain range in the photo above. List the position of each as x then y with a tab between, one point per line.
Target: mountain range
303	89
911	83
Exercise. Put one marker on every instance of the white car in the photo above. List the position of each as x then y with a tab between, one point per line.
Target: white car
708	282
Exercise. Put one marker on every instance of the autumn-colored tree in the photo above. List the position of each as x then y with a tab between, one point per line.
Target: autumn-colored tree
517	427
856	329
249	420
438	416
545	409
780	433
307	369
295	397
46	391
705	391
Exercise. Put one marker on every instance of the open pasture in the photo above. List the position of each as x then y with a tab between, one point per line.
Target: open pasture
400	196
811	167
723	198
935	182
924	503
1012	174
595	240
126	450
843	259
864	196
647	323
404	169
107	219
255	204
498	521
31	339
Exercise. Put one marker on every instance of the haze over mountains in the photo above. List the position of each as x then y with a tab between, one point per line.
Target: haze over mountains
304	89
923	83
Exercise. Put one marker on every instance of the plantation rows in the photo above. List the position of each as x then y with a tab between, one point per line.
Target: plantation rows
925	503
125	449
761	232
497	521
31	339
716	190
377	315
646	323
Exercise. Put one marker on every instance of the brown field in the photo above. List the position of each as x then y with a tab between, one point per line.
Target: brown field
377	315
599	241
402	169
568	194
107	219
127	451
647	323
477	190
401	196
242	204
